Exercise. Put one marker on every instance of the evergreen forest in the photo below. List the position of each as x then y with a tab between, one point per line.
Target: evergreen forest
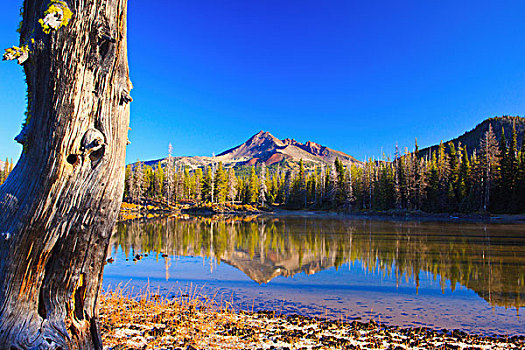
448	178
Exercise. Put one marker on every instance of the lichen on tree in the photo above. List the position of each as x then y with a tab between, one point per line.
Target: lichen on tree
57	15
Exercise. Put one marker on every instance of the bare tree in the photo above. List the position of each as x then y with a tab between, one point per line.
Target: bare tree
169	175
488	161
232	185
397	185
61	201
262	185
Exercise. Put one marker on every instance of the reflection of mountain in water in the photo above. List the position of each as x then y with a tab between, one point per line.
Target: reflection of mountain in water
263	265
489	260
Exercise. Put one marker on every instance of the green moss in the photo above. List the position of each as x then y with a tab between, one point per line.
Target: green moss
28	111
19	29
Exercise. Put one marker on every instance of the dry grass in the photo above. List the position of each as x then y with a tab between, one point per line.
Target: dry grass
190	321
149	321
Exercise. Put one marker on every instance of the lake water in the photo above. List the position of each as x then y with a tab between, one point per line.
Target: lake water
439	275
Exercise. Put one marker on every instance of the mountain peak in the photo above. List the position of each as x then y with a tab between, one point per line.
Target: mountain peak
264	147
261	138
262	134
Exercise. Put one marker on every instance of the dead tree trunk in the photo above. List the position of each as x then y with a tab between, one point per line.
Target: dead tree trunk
60	202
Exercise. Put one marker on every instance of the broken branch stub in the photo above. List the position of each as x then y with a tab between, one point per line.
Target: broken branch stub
21	54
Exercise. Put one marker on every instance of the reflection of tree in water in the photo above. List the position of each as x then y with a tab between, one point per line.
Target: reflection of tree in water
490	261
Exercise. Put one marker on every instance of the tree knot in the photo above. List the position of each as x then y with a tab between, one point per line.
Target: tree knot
93	144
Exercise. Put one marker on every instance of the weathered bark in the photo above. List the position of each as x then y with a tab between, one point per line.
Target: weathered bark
60	202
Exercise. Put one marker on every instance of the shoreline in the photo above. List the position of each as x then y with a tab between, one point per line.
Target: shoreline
194	322
128	212
408	216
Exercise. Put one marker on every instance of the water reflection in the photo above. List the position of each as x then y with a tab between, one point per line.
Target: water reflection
488	259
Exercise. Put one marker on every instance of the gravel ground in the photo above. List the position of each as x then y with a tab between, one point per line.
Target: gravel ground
193	323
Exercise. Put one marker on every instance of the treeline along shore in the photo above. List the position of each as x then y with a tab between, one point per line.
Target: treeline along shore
449	178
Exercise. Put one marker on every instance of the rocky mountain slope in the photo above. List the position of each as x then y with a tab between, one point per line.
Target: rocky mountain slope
265	148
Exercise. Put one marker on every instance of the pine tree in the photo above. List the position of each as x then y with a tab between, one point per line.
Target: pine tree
221	184
198	184
207	185
453	177
443	167
128	182
521	177
159	180
513	173
340	182
357	186
301	186
278	183
147	183
326	185
419	179
464	180
241	189
409	180
386	186
193	186
186	183
287	186
475	194
274	193
502	190
252	189
433	185
311	186
367	184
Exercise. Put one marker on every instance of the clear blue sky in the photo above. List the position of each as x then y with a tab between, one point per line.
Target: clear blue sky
357	76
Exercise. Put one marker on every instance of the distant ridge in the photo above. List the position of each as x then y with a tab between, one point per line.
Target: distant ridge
471	139
265	148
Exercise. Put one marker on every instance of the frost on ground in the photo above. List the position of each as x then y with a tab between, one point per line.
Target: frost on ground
190	323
